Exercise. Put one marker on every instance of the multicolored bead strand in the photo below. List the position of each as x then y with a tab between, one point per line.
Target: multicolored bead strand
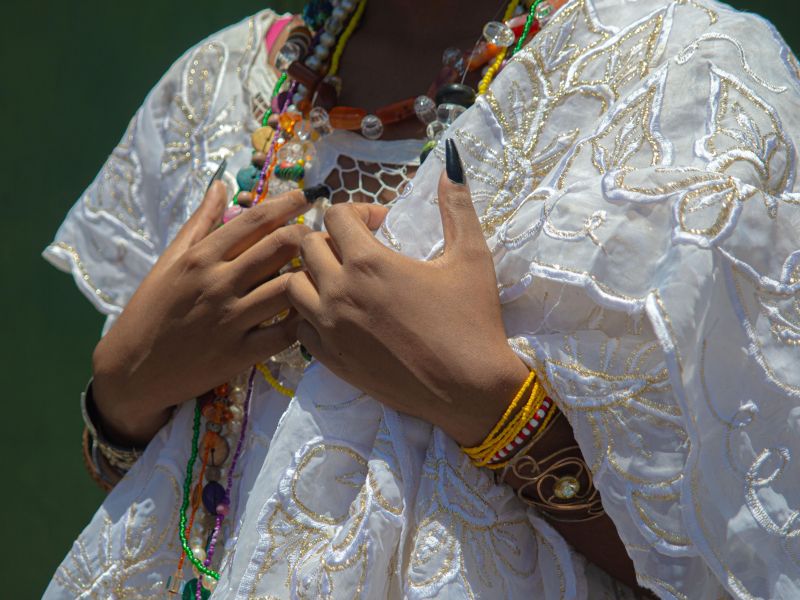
270	379
229	484
527	28
346	34
498	60
187	490
269	162
275	91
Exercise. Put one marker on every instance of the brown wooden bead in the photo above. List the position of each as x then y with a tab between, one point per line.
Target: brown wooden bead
326	96
261	138
246	199
258	159
347	117
394	113
304	75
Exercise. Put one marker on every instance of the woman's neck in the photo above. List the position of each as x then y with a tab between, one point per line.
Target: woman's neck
397	51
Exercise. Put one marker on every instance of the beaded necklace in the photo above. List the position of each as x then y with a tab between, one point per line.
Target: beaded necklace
282	151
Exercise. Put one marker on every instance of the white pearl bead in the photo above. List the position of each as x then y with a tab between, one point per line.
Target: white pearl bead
322	52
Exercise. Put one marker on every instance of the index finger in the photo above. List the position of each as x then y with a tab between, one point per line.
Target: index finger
254	223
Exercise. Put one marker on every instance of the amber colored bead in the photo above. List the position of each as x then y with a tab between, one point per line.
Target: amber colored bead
326	96
394	113
347	117
288	120
222	391
304	75
214	412
483	54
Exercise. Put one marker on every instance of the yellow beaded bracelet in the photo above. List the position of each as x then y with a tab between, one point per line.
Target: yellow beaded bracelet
480	449
508	427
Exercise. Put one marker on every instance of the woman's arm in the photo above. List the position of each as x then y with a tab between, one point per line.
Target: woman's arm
426	338
196	319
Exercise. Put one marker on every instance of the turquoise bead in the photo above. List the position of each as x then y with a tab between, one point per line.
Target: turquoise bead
247	178
190	591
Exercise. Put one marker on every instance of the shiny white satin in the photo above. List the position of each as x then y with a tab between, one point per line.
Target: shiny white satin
634	169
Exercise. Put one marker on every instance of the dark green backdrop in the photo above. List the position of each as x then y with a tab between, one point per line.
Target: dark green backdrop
73	75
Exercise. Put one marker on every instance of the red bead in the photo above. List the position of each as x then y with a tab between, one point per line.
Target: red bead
394	113
347	117
517	24
223	390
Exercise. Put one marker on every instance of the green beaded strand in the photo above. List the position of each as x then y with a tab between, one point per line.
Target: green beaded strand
275	91
187	491
527	28
293	173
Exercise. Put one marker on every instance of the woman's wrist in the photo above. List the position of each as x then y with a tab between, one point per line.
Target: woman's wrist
127	416
494	385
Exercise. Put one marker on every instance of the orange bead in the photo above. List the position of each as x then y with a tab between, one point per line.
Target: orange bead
214	412
394	113
287	121
347	117
223	390
482	55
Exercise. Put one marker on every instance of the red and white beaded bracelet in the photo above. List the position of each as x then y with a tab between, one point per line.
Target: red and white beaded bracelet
525	433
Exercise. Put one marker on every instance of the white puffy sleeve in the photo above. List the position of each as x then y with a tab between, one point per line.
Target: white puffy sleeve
637	186
196	116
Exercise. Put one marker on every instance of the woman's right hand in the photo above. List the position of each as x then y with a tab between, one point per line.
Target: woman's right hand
195	321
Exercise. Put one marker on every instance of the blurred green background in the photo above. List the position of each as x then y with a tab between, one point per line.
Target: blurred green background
66	99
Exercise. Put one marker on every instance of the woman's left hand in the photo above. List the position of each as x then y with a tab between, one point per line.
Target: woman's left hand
424	337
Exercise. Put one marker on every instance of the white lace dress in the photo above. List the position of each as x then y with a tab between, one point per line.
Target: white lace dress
634	169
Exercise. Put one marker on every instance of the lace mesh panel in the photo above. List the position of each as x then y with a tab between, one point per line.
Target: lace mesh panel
361	181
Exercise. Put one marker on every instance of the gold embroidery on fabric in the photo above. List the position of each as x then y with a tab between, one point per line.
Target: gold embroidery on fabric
76	260
126	573
196	137
118	184
464	527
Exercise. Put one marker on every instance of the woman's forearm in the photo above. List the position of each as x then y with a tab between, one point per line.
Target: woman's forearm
596	539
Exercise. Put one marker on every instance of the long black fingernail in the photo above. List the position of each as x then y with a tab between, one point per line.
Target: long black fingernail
218	173
316	192
452	162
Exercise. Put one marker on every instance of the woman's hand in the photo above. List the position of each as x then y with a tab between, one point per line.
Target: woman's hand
425	338
195	320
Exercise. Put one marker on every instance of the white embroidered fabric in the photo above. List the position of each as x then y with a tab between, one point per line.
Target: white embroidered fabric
634	169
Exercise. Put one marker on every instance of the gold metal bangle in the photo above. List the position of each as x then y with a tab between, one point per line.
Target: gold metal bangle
101	472
118	457
559	485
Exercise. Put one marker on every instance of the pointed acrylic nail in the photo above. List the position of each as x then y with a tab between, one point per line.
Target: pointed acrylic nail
316	192
452	161
218	173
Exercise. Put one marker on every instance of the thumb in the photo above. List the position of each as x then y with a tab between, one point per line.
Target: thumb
372	214
460	224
